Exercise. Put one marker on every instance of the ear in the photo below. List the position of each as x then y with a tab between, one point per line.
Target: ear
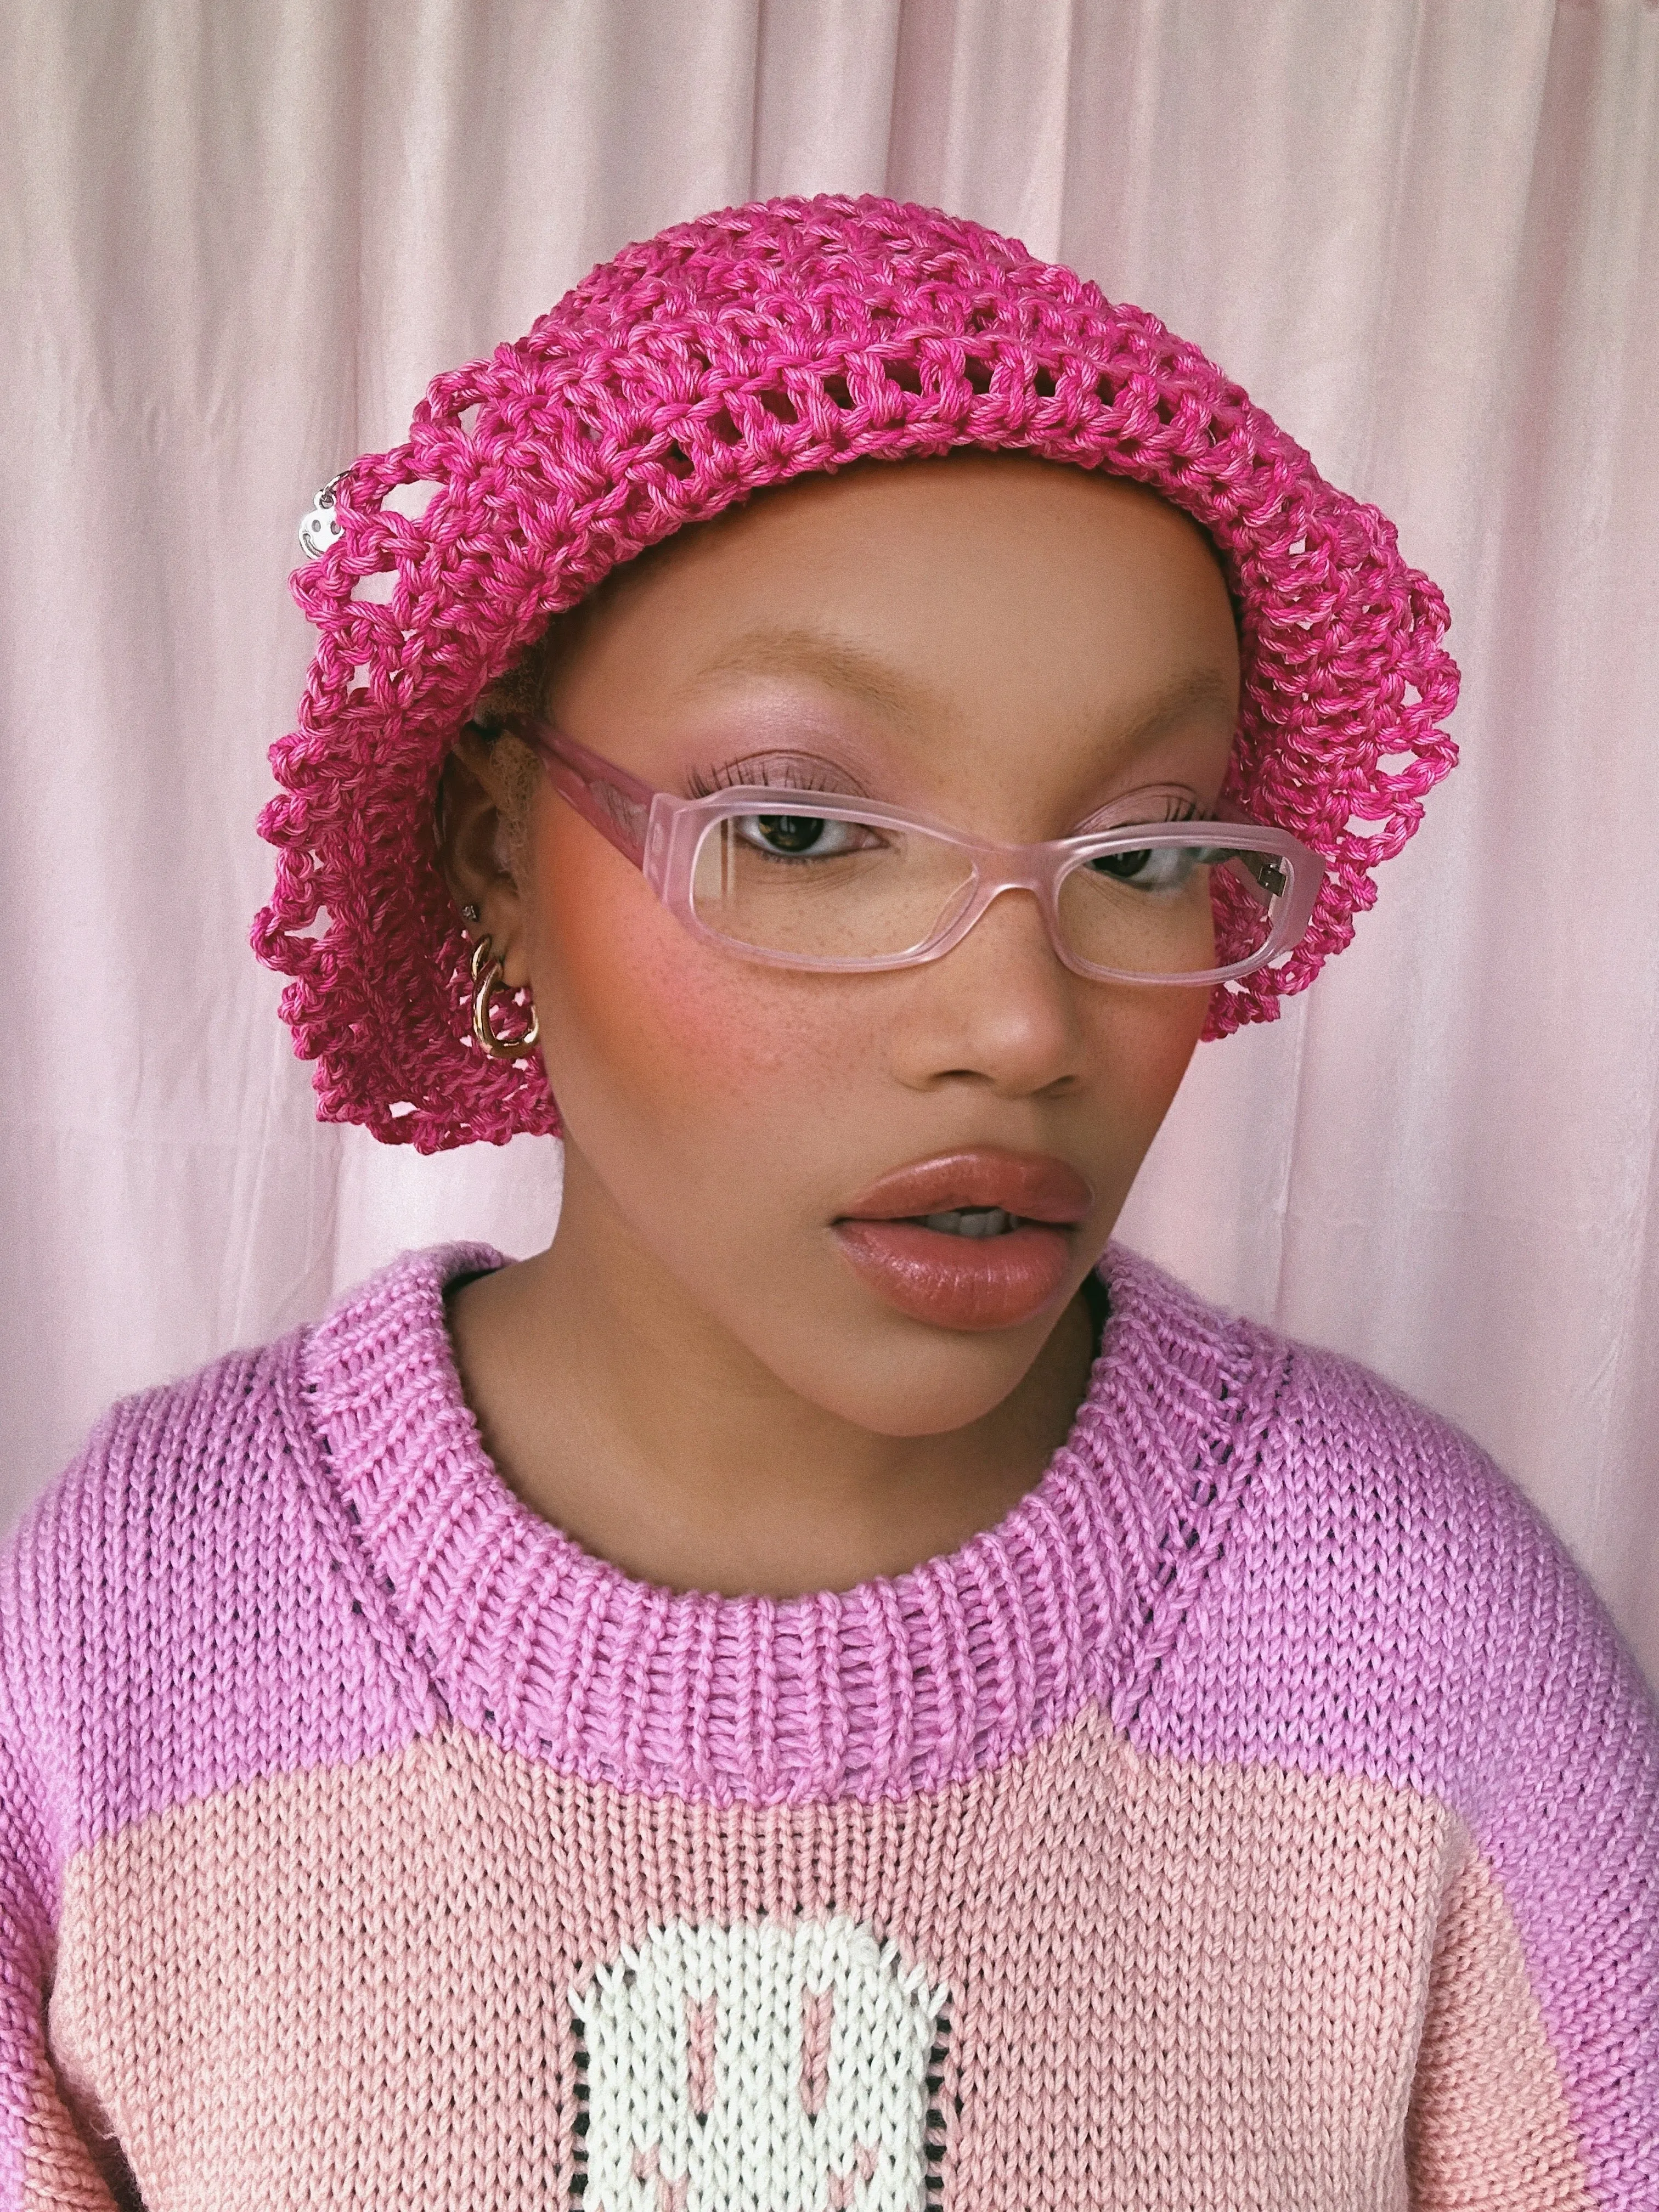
474	812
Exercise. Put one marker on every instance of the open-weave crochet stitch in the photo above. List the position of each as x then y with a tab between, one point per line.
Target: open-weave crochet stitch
1263	1816
738	351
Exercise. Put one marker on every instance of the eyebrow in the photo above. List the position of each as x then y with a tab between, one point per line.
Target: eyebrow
846	668
842	666
1198	687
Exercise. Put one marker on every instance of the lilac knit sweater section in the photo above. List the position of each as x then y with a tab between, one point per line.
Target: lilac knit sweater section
284	1609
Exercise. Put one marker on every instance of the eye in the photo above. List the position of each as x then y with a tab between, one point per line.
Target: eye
1159	868
802	836
1166	868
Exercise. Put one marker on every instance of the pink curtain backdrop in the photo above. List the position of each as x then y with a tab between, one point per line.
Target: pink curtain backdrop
237	240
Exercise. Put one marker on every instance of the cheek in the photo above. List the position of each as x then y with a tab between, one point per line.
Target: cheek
1144	1042
644	1022
1159	1034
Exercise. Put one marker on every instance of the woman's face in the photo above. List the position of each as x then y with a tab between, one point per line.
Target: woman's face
1006	645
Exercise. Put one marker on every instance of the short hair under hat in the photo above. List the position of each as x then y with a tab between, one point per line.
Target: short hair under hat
748	347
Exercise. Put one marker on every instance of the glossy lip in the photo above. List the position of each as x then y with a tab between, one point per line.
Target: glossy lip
962	1282
1036	1186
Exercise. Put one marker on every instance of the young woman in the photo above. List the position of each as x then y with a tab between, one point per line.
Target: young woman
820	1689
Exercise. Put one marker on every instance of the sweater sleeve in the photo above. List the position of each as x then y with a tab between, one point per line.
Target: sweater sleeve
46	2160
1538	2081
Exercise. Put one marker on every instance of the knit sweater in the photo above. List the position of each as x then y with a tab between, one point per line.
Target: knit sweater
1263	1814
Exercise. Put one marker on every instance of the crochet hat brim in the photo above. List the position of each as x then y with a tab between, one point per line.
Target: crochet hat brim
740	350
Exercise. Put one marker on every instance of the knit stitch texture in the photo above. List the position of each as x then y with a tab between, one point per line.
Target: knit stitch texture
1263	1814
738	351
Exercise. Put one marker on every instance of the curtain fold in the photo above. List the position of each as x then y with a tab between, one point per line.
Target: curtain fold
238	242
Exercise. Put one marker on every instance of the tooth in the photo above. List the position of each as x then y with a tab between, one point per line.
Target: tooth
974	1221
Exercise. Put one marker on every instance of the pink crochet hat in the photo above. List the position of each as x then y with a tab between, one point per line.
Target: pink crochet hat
746	348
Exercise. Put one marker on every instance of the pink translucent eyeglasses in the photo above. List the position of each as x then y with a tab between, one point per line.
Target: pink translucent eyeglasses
805	879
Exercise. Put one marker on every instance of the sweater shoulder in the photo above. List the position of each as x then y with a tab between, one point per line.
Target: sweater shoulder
176	1614
1375	1595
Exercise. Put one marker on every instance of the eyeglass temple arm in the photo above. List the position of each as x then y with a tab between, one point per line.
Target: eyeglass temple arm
617	804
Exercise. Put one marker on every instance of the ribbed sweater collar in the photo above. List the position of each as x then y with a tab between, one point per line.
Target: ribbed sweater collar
897	1685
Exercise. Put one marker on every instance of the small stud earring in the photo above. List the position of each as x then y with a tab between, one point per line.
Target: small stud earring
469	912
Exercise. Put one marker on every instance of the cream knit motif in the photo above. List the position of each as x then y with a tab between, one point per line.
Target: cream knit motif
1264	1813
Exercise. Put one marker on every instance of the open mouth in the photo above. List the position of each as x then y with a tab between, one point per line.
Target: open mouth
974	1221
978	1240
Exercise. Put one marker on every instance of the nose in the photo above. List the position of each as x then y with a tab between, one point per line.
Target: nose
1001	1009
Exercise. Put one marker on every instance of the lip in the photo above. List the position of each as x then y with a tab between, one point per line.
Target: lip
960	1283
1033	1185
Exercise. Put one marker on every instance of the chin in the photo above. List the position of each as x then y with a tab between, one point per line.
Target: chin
904	1379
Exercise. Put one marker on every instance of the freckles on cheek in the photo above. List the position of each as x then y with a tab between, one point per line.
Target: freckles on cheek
1167	1040
1147	1051
648	1007
1169	1050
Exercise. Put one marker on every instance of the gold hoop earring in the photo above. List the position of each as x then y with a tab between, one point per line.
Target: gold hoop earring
486	982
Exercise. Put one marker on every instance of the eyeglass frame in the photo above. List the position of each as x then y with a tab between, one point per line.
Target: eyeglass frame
661	834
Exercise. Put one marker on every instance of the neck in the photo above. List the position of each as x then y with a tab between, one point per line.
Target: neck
618	1408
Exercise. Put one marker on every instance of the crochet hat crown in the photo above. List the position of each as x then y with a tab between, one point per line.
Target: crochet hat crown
742	349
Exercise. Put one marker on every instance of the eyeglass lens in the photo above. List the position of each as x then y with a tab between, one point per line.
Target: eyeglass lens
820	890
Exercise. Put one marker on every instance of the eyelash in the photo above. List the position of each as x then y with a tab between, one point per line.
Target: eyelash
1178	806
779	772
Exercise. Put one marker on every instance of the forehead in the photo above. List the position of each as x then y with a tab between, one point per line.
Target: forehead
939	607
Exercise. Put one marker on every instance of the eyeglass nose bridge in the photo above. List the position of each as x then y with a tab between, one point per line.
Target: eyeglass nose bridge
996	869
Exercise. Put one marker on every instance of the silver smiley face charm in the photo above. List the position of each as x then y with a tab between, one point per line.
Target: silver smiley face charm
320	525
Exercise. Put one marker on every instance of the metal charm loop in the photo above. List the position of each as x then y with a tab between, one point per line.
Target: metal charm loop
486	982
